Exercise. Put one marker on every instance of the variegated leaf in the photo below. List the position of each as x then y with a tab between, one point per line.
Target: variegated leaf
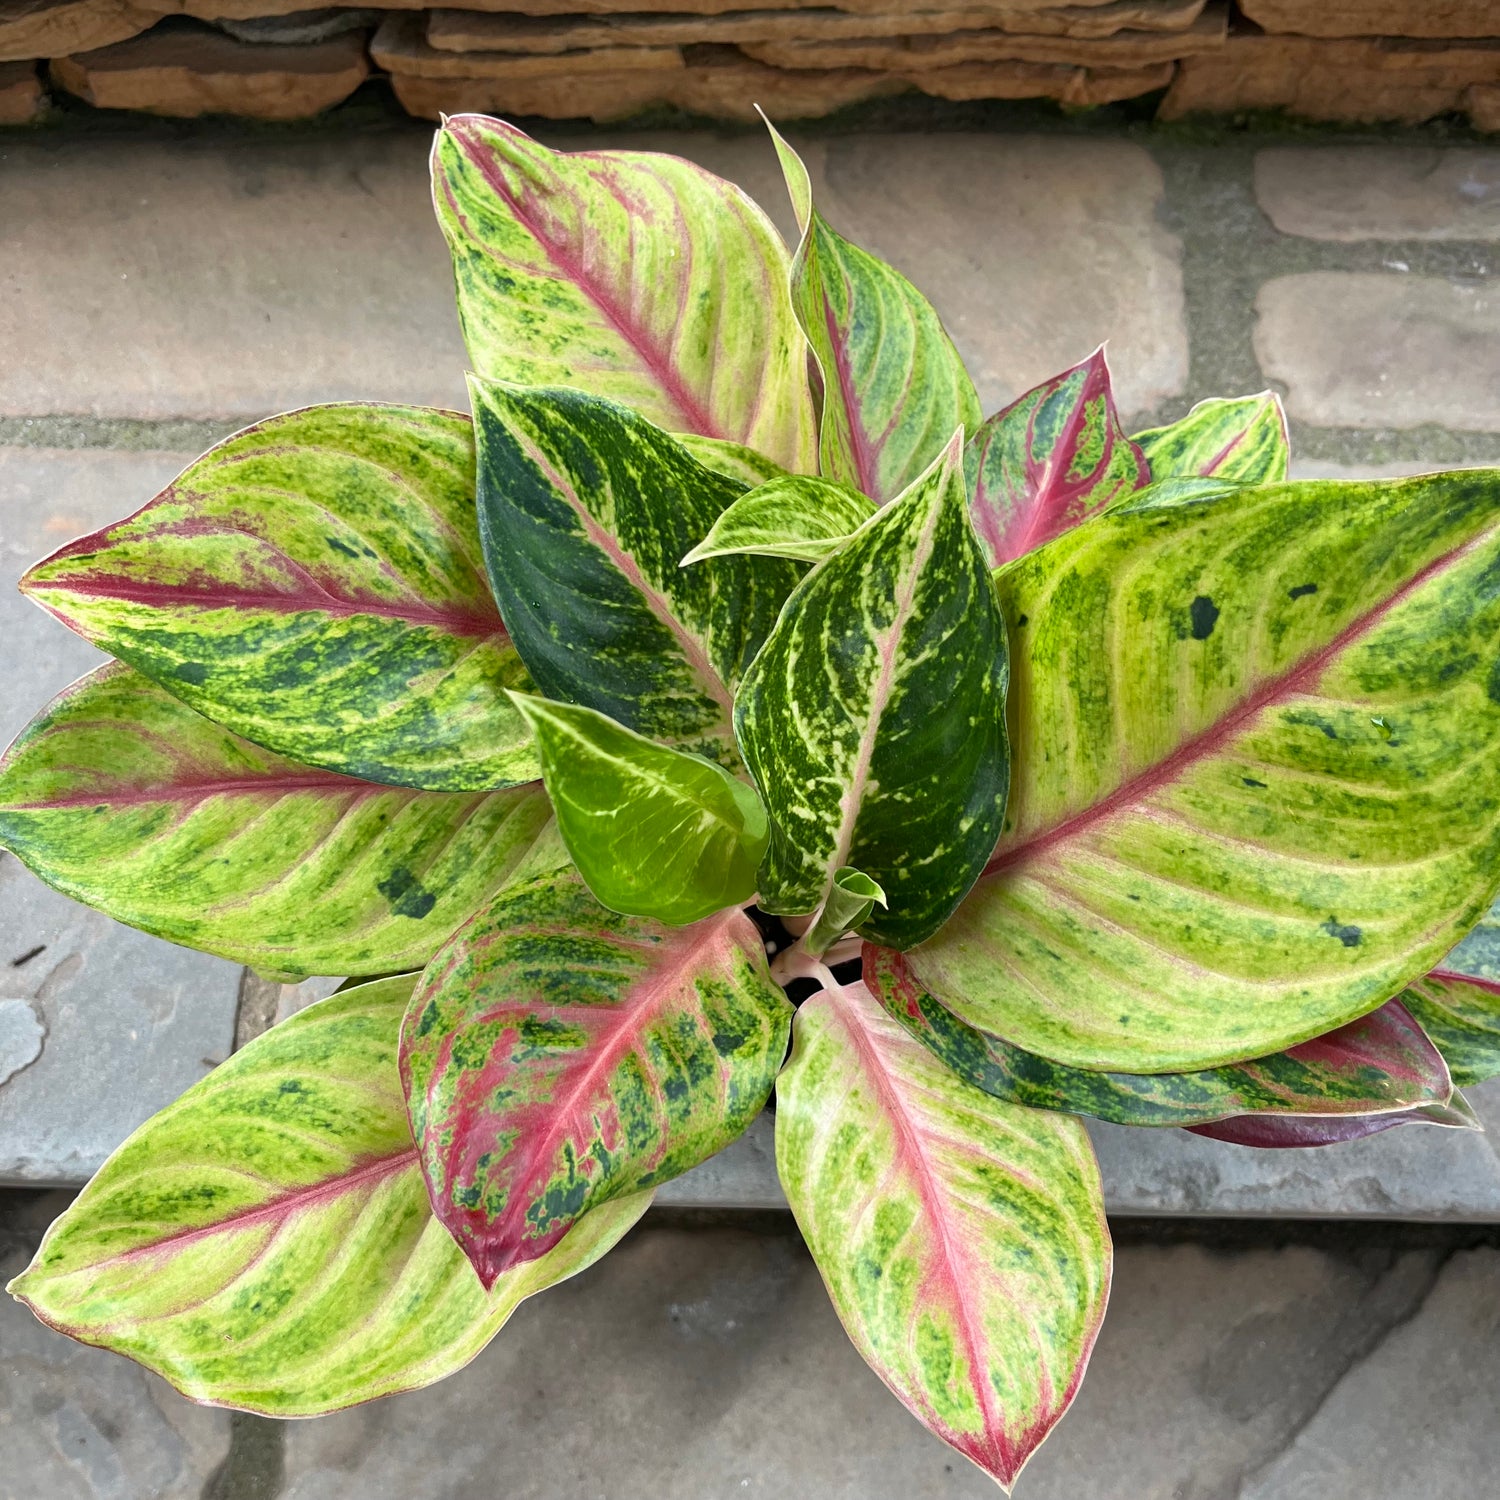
731	459
628	274
1462	1016
654	832
266	1242
1051	458
557	1056
893	385
121	796
798	516
1290	1132
315	584
1245	440
1380	1063
586	510
1257	741
961	1238
873	720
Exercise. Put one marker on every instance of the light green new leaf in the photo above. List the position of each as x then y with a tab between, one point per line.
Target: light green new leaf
962	1238
266	1242
654	832
873	719
1462	1016
798	516
851	899
731	459
586	510
1257	744
315	584
894	387
121	796
1244	439
630	275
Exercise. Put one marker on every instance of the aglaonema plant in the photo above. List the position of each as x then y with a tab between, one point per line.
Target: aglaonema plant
725	650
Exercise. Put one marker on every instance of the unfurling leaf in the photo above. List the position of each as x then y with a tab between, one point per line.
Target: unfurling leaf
797	516
1380	1063
1290	1132
961	1238
873	719
119	795
1258	772
627	274
654	832
315	584
894	387
586	510
1050	459
1244	440
851	899
1462	1016
557	1056
266	1241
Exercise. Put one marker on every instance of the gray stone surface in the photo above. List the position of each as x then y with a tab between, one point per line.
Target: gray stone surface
79	1424
1382	349
1370	192
231	278
700	1365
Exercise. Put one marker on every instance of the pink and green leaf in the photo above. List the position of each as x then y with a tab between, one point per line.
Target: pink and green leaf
558	1056
893	385
1257	782
1380	1063
1049	460
1462	1016
586	511
315	584
119	795
266	1242
1291	1132
627	274
962	1238
1244	440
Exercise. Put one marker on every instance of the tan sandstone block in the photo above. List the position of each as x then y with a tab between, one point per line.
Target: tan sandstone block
31	29
21	96
1361	80
1081	88
485	31
1426	18
1483	105
400	46
720	7
1128	49
187	70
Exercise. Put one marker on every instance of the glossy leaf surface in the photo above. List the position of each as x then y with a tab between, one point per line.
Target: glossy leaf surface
1258	772
1462	1016
557	1056
628	274
654	832
894	387
1245	440
1383	1061
961	1238
586	510
731	459
873	719
798	516
266	1241
1292	1132
121	796
1051	458
315	584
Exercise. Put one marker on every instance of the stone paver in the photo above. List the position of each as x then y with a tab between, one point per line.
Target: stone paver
233	278
89	1010
1382	350
79	1424
1381	192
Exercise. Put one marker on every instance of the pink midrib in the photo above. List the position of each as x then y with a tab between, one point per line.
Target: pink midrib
955	1262
200	791
695	415
865	460
1451	976
1214	739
